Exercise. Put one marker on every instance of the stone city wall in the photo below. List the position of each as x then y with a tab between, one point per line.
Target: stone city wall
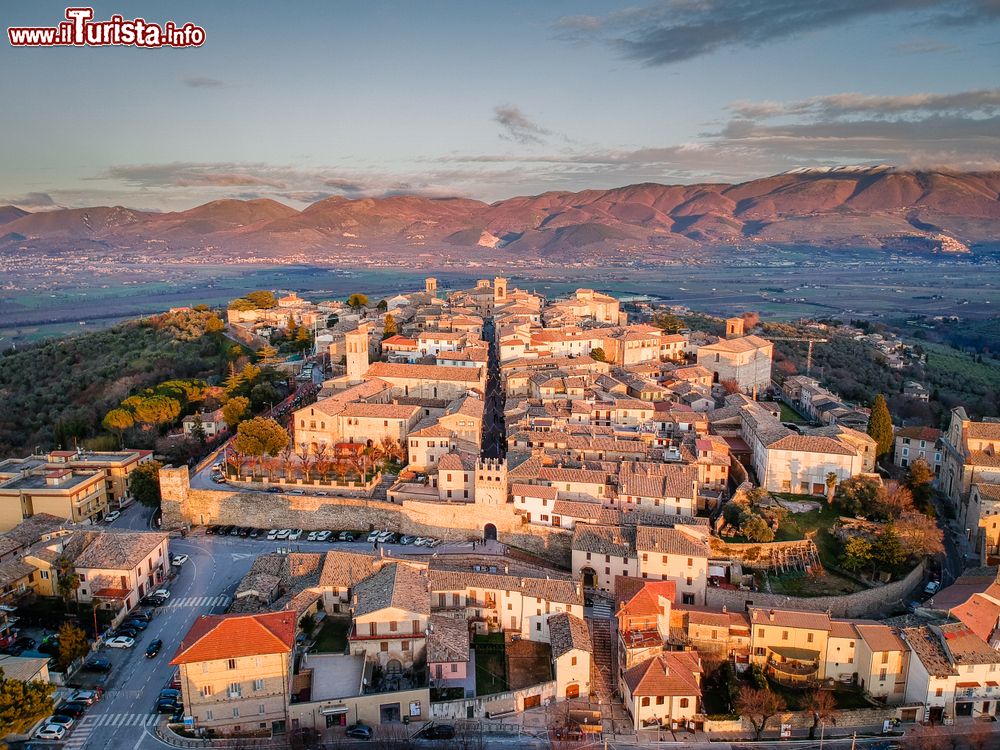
183	505
867	603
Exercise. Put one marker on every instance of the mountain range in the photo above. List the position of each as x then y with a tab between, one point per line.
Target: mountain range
858	207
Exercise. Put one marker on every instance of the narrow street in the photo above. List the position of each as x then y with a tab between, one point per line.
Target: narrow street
494	430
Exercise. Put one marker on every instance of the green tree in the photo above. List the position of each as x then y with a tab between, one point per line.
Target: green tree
667	322
198	430
858	496
259	437
214	324
887	550
73	644
597	354
67	580
262	299
117	421
389	328
23	703
303	339
357	302
264	394
157	410
267	355
857	554
920	480
831	486
382	305
144	483
308	622
880	426
234	410
756	529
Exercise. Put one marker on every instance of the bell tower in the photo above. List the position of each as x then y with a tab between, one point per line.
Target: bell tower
491	481
356	343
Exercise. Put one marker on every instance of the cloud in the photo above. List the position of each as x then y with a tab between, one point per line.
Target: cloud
187	174
517	127
975	102
31	202
672	31
923	47
202	82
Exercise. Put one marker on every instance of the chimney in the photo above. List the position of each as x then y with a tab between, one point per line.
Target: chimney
506	569
770	615
725	609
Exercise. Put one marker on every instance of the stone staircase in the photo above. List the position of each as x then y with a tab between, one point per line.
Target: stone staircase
603	678
381	491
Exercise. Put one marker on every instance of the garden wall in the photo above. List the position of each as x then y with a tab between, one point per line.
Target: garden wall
869	603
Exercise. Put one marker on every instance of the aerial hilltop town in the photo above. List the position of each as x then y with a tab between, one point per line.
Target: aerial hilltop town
549	517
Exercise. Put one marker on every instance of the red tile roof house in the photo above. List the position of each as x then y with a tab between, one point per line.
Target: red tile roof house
663	691
235	672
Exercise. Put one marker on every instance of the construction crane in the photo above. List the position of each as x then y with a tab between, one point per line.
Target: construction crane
809	353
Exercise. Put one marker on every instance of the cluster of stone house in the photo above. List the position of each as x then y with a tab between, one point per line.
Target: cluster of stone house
78	486
112	568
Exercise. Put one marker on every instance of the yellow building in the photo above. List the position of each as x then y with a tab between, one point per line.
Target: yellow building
76	495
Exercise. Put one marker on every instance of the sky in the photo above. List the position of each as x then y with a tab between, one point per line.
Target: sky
298	101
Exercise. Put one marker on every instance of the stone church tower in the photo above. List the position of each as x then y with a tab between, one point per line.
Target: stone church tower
499	291
356	343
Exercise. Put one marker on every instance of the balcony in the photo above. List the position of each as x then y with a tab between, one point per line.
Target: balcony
790	665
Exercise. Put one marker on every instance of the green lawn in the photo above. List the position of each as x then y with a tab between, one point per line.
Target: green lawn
491	666
801	526
788	414
332	637
846	698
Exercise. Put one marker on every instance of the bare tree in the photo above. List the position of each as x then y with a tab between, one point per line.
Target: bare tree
759	705
822	704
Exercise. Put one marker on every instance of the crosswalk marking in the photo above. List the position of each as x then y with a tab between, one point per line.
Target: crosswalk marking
80	734
199	601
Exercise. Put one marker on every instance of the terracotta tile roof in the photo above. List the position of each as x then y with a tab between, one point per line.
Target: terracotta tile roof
343	569
458	461
919	433
583	476
881	638
983	430
605	540
576	509
670	673
396	585
927	646
989	491
669	541
738	345
541	491
424	372
843	629
791	618
568	632
980	614
448	640
811	444
215	637
380	411
664	480
644	599
119	550
556	590
965	646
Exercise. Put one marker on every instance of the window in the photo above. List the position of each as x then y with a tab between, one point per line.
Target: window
690	562
261	709
383	646
760	632
645	701
236	712
392	626
234	690
454	667
572	661
938	692
232	663
684	702
406	645
881	674
784	635
258	685
809	637
206	691
885	657
659	700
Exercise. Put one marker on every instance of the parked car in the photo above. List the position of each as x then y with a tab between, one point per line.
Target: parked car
121	641
359	732
407	539
234	531
312	536
124	631
437	732
296	492
113	516
87	697
50	732
254	533
97	665
25	643
373	537
167	707
322	536
143	614
283	534
152	601
170	694
153	648
49	647
136	624
66	722
224	530
346	536
162	593
932	587
274	490
179	560
421	541
272	534
433	542
71	708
